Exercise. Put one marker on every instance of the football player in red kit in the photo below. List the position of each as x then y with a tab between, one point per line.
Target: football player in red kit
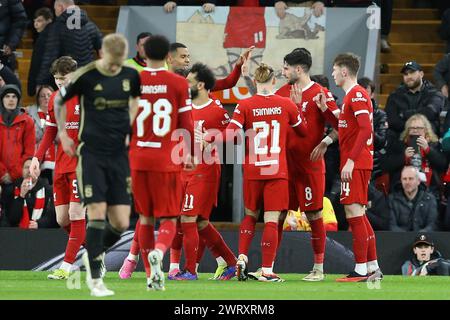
165	106
266	117
356	158
202	184
69	212
307	170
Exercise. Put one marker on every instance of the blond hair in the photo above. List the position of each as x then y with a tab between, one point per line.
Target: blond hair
429	133
115	45
264	73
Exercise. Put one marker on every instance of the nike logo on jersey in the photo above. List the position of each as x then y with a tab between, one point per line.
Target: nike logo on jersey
308	204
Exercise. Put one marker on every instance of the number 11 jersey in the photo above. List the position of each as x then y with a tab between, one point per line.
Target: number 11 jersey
165	106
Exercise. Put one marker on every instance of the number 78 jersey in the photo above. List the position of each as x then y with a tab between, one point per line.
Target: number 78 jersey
165	106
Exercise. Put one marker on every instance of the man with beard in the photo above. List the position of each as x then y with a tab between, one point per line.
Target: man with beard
415	95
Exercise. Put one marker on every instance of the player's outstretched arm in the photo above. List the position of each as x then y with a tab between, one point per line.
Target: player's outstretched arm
320	150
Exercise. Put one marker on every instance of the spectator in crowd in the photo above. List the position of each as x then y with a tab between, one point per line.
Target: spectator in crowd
13	21
72	34
412	208
17	135
380	126
17	139
441	74
415	95
169	6
419	147
426	260
378	209
138	62
42	18
30	206
38	112
8	77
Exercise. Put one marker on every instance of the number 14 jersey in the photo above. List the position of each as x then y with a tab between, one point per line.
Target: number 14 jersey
165	106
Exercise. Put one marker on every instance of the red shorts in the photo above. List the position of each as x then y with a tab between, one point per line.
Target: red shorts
272	195
356	190
306	191
157	194
65	188
199	198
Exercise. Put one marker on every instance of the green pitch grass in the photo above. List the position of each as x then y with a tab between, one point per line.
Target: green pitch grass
34	285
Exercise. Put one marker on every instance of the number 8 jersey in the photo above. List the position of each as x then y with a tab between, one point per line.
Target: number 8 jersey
165	106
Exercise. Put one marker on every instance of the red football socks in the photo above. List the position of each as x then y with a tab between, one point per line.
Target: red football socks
166	233
360	242
134	248
269	244
318	239
372	247
246	234
201	248
217	245
190	245
77	236
146	243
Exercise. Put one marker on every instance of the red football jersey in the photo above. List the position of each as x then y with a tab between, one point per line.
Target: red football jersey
64	163
210	116
356	101
266	120
164	98
300	148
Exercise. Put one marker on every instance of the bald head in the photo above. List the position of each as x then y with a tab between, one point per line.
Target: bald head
61	6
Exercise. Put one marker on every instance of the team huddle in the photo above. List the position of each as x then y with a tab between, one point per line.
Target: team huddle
157	135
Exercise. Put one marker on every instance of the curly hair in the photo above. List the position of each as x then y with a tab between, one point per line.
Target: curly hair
429	133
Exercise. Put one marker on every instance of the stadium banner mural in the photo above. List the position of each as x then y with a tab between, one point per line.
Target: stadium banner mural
218	38
43	250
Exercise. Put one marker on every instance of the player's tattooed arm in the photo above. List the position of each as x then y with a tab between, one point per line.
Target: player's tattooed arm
320	150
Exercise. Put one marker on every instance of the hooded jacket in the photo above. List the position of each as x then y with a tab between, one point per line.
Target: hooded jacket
417	215
69	36
17	136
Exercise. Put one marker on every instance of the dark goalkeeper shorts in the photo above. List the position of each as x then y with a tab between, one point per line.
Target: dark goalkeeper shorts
103	178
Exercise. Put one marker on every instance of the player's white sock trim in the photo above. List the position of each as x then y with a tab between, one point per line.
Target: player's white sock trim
174	266
221	261
133	257
372	265
66	266
267	270
318	266
361	268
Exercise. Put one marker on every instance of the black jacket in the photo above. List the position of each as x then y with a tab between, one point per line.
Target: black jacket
395	161
9	77
378	212
79	43
398	109
14	206
13	21
39	49
441	72
417	215
380	127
